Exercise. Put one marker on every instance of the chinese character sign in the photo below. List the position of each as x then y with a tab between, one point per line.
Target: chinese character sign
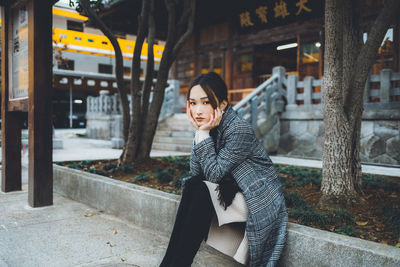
18	74
261	14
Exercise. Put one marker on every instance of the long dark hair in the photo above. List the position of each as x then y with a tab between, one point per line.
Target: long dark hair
213	85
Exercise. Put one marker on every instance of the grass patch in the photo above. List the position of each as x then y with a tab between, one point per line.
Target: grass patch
303	176
379	182
348	230
392	216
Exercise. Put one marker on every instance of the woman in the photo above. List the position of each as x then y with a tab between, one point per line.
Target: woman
225	146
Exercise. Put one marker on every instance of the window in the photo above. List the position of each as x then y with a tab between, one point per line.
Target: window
245	63
120	35
185	69
386	54
66	65
309	53
105	68
127	71
74	26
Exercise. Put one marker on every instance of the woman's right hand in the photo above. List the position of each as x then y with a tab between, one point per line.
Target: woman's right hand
190	117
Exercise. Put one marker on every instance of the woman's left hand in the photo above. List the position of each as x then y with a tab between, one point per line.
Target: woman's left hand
214	120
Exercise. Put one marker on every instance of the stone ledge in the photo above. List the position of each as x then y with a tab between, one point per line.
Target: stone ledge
156	210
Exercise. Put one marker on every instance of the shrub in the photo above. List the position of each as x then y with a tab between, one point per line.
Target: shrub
182	163
164	175
126	168
184	174
74	166
87	163
143	177
95	171
284	182
177	182
109	166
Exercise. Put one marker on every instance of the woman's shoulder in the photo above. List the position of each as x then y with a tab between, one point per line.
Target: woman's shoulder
235	123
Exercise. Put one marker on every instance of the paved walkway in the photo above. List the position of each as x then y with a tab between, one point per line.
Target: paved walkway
69	233
73	234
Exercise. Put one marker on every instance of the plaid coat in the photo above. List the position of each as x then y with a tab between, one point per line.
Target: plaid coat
237	151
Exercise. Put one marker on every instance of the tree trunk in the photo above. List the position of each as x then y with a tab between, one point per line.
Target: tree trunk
119	71
144	119
346	66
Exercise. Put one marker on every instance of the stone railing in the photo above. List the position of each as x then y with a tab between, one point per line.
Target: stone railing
103	113
259	102
378	94
302	128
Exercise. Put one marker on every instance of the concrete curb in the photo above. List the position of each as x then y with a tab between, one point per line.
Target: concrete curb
142	206
156	210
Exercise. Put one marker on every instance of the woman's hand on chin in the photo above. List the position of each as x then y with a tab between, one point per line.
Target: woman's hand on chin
214	120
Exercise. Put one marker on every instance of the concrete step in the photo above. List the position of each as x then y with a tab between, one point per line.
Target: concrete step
173	140
175	127
171	147
176	122
189	134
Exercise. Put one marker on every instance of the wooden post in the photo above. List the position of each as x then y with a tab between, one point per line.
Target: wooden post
40	107
10	123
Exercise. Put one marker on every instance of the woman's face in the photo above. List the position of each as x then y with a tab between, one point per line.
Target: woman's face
200	106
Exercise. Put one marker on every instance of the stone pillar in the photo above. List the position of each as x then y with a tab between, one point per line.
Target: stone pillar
308	89
385	77
292	92
117	141
175	85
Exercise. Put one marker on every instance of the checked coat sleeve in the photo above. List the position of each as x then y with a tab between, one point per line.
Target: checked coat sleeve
195	167
236	148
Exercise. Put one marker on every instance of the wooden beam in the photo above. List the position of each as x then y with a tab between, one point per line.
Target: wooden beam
40	186
10	135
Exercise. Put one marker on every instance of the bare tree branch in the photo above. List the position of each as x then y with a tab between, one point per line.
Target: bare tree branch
368	52
85	4
181	25
150	61
188	32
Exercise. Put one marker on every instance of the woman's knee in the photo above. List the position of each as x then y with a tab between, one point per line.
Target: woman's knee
201	191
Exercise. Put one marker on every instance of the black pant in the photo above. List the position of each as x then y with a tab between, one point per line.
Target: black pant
191	225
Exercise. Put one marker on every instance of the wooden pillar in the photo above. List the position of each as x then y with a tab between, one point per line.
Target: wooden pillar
228	58
40	107
11	135
196	44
